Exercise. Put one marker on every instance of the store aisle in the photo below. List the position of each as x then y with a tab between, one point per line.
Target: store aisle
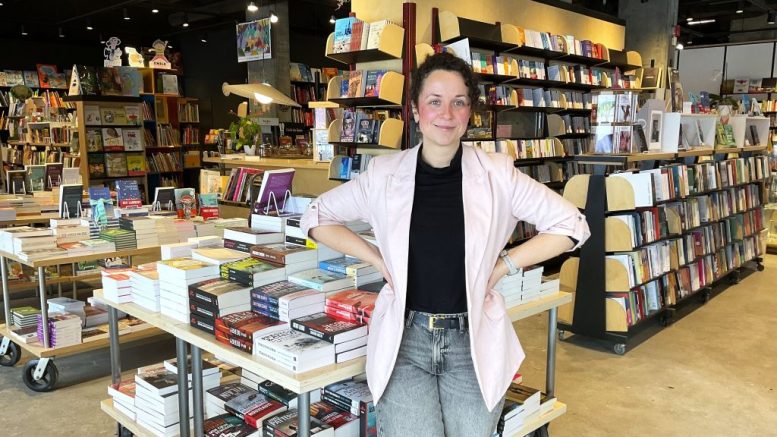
713	373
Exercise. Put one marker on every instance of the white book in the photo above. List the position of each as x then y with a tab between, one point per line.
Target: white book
351	354
642	186
375	31
217	255
304	351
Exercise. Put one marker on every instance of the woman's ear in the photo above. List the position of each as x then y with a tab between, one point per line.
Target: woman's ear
415	113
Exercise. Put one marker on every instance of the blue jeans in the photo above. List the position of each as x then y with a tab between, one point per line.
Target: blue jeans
433	390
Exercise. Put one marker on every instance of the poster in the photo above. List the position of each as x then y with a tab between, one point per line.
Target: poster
253	40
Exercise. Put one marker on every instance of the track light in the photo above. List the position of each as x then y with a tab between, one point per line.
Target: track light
273	17
332	19
24	32
770	17
185	21
89	24
124	12
61	33
102	40
740	7
689	19
252	7
204	37
155	11
705	21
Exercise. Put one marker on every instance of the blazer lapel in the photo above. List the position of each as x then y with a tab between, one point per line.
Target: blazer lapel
477	212
400	192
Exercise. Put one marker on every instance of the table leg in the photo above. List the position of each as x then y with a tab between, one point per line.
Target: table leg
197	395
303	414
550	375
6	293
113	333
75	284
59	284
183	388
44	312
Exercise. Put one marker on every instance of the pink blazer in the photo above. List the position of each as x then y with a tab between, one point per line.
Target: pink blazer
496	196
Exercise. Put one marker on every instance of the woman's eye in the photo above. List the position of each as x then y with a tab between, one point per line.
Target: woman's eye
461	103
434	102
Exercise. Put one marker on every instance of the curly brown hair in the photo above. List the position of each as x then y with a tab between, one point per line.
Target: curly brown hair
443	61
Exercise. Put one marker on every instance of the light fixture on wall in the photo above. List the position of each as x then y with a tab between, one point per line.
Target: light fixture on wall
124	12
770	17
89	24
332	19
61	33
263	93
273	17
740	7
24	32
252	7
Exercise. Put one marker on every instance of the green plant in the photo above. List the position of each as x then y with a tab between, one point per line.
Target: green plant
244	131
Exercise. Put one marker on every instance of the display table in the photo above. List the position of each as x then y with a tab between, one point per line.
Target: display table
300	383
310	177
24	220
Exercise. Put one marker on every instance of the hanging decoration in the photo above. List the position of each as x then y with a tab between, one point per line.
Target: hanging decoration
253	40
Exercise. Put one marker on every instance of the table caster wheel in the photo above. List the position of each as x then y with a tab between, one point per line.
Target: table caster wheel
12	355
619	349
46	382
561	334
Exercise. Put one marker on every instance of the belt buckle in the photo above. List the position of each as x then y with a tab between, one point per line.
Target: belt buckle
430	322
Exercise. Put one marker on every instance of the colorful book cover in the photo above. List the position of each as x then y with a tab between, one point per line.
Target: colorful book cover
342	39
87	77
31	79
110	81
132	139
97	165
46	74
355	84
113	116
92	115
131	81
116	165
36	177
209	205
113	139
272	193
128	194
136	165
133	115
53	175
372	83
14	77
348	132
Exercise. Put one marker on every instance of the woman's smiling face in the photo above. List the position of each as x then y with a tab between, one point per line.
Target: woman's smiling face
443	108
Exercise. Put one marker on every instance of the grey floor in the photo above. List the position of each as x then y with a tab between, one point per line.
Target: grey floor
711	373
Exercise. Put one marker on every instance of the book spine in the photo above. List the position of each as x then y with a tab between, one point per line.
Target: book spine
241	277
203	297
265	308
272	395
257	296
269	256
329	267
313	332
336	399
230	410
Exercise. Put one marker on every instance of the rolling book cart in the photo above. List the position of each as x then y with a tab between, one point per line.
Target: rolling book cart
593	276
188	337
40	374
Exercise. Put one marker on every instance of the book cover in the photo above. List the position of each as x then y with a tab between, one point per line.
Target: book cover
31	79
96	165
273	190
327	328
46	74
94	140
109	81
348	132
133	115
285	425
36	177
136	165
116	165
364	130
355	84
70	200
53	175
372	83
132	139
113	116
130	81
318	279
16	181
92	115
227	425
221	394
165	196
354	301
87	78
113	139
279	253
128	193
271	293
159	380
14	77
342	39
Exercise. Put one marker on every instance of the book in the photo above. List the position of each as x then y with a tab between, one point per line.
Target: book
88	81
130	80
96	165
342	37
327	328
70	200
253	407
16	181
113	140
353	301
36	178
31	79
128	193
282	253
46	75
110	82
348	132
273	190
158	381
136	165
285	425
375	32
113	116
53	175
132	140
355	84
372	83
227	425
294	350
115	165
220	293
92	115
94	140
321	280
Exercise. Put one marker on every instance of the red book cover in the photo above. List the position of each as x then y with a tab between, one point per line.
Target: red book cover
260	411
341	314
244	324
327	328
354	301
330	415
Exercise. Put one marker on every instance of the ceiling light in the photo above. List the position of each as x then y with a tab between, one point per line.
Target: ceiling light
770	17
252	7
679	46
102	40
332	19
126	16
689	19
740	7
24	32
61	33
89	24
204	37
705	21
155	11
185	20
273	17
169	47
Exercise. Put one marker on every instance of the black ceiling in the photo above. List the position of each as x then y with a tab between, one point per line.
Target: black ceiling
42	20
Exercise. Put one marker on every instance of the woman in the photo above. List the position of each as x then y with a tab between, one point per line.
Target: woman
441	351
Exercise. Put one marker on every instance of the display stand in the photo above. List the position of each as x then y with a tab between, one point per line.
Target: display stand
300	383
592	275
40	374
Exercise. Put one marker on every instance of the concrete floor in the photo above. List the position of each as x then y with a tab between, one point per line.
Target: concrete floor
712	373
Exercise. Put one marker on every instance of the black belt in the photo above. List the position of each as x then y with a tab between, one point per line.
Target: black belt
438	321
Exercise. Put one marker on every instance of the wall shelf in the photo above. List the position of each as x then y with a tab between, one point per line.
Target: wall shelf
389	47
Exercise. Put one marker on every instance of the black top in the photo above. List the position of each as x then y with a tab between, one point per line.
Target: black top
436	278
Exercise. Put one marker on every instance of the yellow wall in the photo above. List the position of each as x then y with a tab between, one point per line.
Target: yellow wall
524	13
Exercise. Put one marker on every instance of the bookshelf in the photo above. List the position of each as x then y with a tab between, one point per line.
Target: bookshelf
110	140
651	252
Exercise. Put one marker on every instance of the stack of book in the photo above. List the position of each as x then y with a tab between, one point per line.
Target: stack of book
353	395
295	236
156	400
124	398
145	289
272	222
25	316
242	238
522	288
223	223
206	241
117	287
343	422
253	407
213	298
227	425
351	305
67	305
285	425
177	250
322	280
241	329
286	300
95	227
29	245
7	236
145	230
98	245
123	239
294	350
165	229
217	397
522	404
175	276
253	272
280	394
294	258
211	374
361	272
75	248
64	329
349	338
217	255
184	229
70	234
205	229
